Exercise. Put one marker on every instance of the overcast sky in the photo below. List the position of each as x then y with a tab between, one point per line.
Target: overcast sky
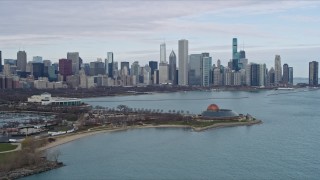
133	30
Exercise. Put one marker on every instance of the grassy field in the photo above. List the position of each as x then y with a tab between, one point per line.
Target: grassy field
7	147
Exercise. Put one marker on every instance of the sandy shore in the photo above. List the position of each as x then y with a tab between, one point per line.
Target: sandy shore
74	136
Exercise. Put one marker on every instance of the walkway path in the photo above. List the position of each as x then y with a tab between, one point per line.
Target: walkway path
18	148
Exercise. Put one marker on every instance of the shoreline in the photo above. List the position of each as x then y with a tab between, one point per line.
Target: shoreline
72	137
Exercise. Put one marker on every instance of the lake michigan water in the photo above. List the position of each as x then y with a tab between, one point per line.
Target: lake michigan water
285	146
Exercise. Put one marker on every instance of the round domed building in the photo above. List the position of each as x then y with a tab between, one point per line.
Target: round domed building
214	112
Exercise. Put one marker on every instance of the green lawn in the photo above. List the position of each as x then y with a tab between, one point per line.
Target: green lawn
7	147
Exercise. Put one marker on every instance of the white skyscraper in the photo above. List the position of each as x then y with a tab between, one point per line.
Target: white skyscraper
277	70
183	62
163	73
74	56
163	57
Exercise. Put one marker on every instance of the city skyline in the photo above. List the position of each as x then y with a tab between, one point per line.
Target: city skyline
264	29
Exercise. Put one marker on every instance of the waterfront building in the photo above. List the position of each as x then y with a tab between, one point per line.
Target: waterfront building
271	76
135	69
243	63
73	81
163	57
255	74
227	76
163	73
236	76
65	68
313	73
21	61
277	70
110	65
183	62
217	77
262	75
153	65
47	99
147	75
37	59
214	112
74	57
291	75
194	72
173	68
206	71
285	76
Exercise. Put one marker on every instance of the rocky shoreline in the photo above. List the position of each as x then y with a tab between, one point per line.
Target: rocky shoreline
30	170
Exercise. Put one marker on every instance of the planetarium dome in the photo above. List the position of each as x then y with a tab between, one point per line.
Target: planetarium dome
213	107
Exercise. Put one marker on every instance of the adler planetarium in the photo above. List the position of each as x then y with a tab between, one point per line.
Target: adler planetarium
213	112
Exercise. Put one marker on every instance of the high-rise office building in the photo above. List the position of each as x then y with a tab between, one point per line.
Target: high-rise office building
277	70
21	61
135	70
271	76
206	71
173	67
291	75
255	74
285	76
183	62
65	68
37	70
110	65
234	48
163	73
313	73
1	65
74	56
106	66
194	70
163	57
97	68
37	59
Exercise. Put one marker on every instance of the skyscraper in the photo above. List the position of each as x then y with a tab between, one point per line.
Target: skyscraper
65	68
163	57
37	59
285	76
21	61
234	48
277	70
172	67
1	62
313	73
291	75
183	62
194	70
110	65
206	69
163	73
74	56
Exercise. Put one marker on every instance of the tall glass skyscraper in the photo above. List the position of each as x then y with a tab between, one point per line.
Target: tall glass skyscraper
277	70
183	62
194	70
21	61
173	67
313	73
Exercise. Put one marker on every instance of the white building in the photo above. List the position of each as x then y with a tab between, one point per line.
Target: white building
46	99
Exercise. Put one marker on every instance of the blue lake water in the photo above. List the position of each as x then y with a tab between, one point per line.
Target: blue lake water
285	146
